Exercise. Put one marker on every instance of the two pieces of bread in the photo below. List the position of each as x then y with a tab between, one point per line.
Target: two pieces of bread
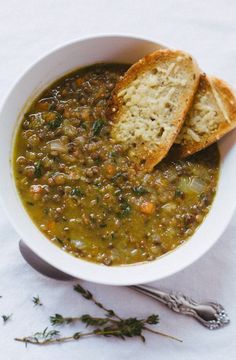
154	106
212	115
150	103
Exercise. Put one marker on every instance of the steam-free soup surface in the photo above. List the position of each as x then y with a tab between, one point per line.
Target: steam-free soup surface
81	189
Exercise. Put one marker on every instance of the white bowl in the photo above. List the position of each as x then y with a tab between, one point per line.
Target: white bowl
40	75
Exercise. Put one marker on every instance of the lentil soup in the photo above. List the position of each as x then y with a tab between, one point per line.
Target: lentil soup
81	190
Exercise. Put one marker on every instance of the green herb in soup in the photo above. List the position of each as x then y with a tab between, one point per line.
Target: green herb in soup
81	189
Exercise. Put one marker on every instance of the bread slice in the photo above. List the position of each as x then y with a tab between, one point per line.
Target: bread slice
212	115
149	104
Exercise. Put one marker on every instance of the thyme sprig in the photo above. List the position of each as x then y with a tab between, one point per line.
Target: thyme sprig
40	338
89	296
112	325
54	337
6	318
58	319
123	329
36	300
111	313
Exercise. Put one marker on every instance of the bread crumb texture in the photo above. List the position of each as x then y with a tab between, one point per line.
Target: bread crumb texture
212	115
205	116
151	102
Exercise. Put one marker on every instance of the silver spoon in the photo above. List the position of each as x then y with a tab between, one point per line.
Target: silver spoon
210	314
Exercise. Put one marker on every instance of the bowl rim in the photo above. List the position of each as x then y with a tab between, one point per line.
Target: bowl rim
64	45
138	273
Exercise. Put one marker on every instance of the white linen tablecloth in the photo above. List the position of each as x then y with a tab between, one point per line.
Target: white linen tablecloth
30	28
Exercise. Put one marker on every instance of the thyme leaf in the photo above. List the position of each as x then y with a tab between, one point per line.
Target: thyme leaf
88	296
36	300
58	319
97	127
38	169
77	192
6	318
139	190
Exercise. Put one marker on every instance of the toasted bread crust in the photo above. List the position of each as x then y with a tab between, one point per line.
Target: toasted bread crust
116	108
228	114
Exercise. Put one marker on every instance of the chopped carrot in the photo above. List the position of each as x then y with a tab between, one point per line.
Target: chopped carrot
51	225
110	169
79	81
42	106
67	113
85	114
147	207
85	219
50	116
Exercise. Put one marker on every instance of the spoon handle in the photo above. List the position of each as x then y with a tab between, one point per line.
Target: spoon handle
210	314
